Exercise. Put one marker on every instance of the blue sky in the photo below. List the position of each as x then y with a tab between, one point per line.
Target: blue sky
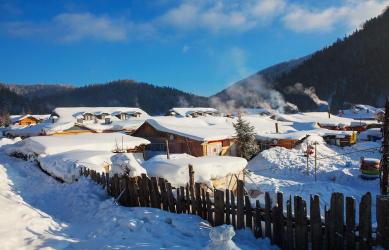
199	46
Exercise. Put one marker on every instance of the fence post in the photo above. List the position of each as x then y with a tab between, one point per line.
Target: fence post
383	220
316	232
350	223
365	222
289	225
219	207
267	216
191	189
240	205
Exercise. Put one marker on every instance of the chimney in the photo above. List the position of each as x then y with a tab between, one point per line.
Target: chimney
277	127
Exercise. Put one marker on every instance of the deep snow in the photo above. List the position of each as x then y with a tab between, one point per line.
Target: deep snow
283	170
39	212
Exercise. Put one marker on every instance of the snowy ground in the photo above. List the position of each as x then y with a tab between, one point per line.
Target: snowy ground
39	212
282	170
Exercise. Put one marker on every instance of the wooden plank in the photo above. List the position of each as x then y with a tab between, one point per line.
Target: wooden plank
249	213
279	221
164	199
337	221
145	188
275	235
133	192
350	223
228	207
257	220
178	203
187	199
198	202
268	232
300	228
233	210
183	200
382	202
365	228
125	198
289	225
316	231
219	207
204	202
155	196
191	189
209	210
107	184
240	204
170	198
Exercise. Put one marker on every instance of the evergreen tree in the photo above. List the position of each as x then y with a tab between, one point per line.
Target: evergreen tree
5	120
245	139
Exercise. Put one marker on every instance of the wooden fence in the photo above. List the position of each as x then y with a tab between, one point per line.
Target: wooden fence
288	230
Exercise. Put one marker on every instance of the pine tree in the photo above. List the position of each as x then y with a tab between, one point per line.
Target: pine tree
245	139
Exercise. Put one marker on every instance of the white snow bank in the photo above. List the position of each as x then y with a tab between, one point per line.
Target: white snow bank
206	168
370	134
285	170
40	213
58	144
66	166
6	141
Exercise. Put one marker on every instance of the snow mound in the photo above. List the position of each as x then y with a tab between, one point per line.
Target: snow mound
221	238
127	163
59	144
66	166
206	168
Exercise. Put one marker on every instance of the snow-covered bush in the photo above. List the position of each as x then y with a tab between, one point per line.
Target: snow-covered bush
221	238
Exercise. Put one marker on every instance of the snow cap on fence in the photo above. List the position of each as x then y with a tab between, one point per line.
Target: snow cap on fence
221	238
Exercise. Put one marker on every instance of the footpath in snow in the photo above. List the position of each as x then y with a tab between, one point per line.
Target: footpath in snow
39	212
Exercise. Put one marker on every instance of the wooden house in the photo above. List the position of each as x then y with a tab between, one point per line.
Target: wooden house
27	120
187	135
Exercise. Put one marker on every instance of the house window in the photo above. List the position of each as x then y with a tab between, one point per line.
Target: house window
225	143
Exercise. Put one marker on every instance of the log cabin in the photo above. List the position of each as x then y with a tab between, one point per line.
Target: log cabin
192	136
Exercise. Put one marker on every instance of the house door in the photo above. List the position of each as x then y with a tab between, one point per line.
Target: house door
214	149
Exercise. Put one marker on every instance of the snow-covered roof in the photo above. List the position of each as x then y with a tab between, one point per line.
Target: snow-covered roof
264	127
57	144
361	112
69	114
320	118
199	129
187	111
17	118
206	168
66	165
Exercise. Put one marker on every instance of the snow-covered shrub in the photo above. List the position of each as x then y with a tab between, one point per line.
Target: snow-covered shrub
221	238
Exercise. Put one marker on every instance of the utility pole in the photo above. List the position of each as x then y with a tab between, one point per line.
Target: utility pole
315	159
385	154
167	150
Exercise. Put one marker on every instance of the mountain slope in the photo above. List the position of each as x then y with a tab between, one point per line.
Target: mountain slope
153	99
353	70
256	90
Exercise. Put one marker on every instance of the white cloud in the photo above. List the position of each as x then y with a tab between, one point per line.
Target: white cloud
349	15
77	26
71	27
215	16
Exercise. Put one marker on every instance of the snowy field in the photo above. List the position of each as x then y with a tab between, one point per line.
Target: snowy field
38	212
282	170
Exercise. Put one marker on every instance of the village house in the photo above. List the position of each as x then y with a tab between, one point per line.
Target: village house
27	120
193	112
195	137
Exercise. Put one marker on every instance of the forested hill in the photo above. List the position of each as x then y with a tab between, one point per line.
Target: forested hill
153	99
354	69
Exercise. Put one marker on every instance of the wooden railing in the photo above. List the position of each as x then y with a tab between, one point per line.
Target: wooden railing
287	228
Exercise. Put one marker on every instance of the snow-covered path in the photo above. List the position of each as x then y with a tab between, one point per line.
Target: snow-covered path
38	212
